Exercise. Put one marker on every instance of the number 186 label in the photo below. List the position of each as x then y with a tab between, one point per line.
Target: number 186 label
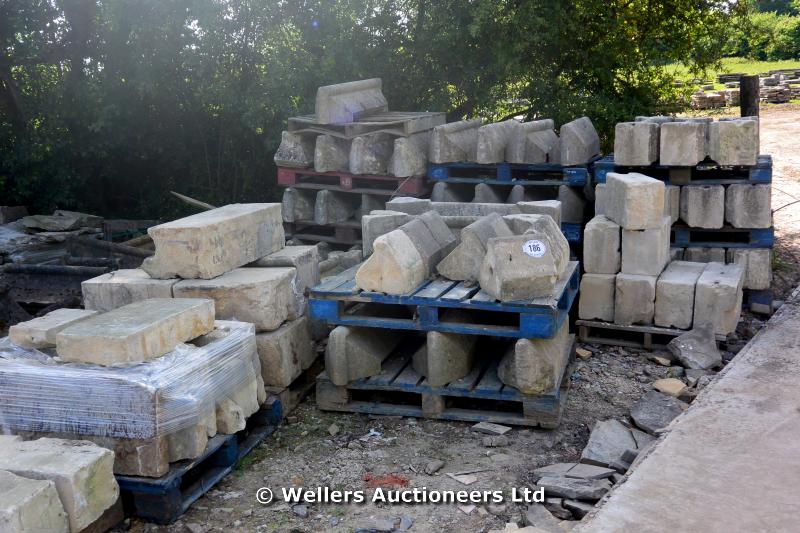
534	248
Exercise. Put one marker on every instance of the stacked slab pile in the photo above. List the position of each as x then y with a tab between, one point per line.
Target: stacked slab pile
708	100
686	143
243	266
629	277
350	132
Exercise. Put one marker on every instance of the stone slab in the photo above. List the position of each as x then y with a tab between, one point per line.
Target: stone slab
634	299
41	332
597	297
285	353
123	287
347	102
304	259
552	208
718	296
675	294
30	505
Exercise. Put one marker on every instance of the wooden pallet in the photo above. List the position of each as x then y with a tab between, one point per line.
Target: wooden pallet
305	178
338	301
395	123
726	237
759	301
645	337
535	175
163	500
706	173
480	396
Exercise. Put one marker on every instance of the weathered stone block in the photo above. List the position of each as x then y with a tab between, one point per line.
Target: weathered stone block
573	204
446	357
600	199
379	223
601	246
285	353
749	206
135	332
455	142
295	150
464	262
646	251
298	204
534	142
534	366
333	206
265	297
410	155
452	192
347	102
757	263
208	244
597	297
733	142
675	294
683	144
41	332
636	143
634	201
703	206
395	266
520	193
704	255
488	194
492	141
332	154
551	208
672	202
718	297
634	300
30	505
354	353
304	259
579	142
122	287
521	267
543	226
370	154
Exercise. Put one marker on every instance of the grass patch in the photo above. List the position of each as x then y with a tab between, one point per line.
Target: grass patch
736	64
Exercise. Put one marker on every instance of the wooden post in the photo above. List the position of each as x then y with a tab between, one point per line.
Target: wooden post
748	96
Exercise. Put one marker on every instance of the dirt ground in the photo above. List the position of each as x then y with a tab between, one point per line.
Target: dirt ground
304	453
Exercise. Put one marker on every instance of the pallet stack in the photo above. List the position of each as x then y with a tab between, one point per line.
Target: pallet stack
347	159
418	321
718	191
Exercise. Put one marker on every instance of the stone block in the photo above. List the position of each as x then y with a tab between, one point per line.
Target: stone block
646	251
296	150
211	243
672	202
579	142
135	332
10	213
83	474
431	237
520	193
455	142
749	206
601	246
370	203
534	142
298	204
122	287
493	139
41	332
659	119
370	154
675	294
395	266
718	297
347	102
634	300
676	254
30	505
551	208
354	353
464	262
733	142
535	366
600	199
285	353
573	204
410	155
333	206
703	206
757	263
521	267
445	357
636	143
265	297
683	144
597	297
488	194
704	255
634	201
235	408
379	223
332	154
452	192
545	227
304	259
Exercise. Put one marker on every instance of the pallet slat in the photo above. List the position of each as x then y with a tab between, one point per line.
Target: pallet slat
306	178
532	175
704	173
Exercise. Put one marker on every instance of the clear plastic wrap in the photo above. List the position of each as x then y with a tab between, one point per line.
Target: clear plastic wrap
40	394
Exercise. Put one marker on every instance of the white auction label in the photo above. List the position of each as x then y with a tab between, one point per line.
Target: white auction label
534	248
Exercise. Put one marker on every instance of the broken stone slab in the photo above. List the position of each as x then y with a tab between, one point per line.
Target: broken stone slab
333	206
379	223
493	139
535	142
757	263
332	154
211	243
487	194
534	366
597	297
354	353
672	202
646	251
683	144
370	154
11	213
575	488
703	206
704	255
634	201
675	294
490	428
464	262
445	357
61	220
551	208
410	155
607	442
601	246
347	102
578	508
718	296
521	267
670	386
265	297
697	349
636	143
545	226
418	206
122	287
135	332
748	206
455	142
41	332
82	472
634	300
296	150
452	192
537	516
30	505
304	259
285	353
298	204
655	411
573	204
733	142
576	470
579	142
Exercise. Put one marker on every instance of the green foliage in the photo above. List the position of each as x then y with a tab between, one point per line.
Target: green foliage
106	105
765	36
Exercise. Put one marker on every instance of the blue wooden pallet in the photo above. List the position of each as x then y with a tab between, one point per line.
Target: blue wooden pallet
536	175
338	301
726	237
572	231
702	174
478	397
163	500
760	301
